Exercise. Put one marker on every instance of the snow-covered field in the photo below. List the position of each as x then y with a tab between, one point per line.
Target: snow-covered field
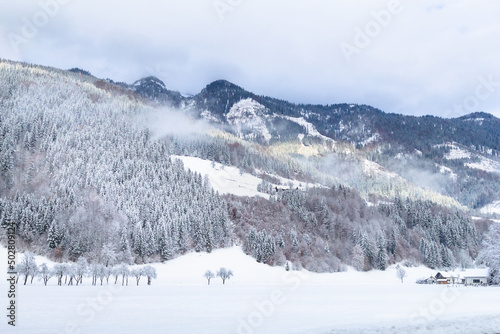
224	179
456	152
488	165
229	179
485	164
493	208
258	299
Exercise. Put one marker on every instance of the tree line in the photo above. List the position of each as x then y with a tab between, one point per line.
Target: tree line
73	273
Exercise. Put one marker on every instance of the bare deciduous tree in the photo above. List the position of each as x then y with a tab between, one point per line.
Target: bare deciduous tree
209	275
28	266
137	273
45	273
401	273
224	274
150	273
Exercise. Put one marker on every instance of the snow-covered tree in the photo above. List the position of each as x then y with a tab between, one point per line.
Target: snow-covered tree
103	272
81	268
108	255
401	273
149	272
137	273
209	275
382	253
124	271
93	272
28	266
115	271
45	273
490	254
59	271
224	274
358	257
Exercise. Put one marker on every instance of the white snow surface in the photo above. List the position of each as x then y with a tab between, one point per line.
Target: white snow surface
229	180
493	208
456	152
257	299
447	171
486	164
310	128
224	179
373	168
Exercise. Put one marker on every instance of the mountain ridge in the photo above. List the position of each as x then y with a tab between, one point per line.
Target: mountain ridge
355	123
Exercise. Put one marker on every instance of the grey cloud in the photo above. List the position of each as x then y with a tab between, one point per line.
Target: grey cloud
426	60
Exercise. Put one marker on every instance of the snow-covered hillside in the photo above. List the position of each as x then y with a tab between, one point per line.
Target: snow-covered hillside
493	208
257	299
230	180
456	152
447	171
487	165
224	179
371	168
310	128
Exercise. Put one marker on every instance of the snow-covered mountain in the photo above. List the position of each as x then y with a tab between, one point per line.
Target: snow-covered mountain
319	186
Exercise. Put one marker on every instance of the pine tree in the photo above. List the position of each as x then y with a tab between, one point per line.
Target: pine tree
382	253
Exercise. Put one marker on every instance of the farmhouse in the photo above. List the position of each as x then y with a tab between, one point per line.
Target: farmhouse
467	277
475	276
445	277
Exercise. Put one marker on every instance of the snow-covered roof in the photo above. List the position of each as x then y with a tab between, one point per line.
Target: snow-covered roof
483	272
450	274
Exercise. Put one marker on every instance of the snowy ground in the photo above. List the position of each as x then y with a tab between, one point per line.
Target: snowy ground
258	299
456	152
486	165
224	179
493	208
229	179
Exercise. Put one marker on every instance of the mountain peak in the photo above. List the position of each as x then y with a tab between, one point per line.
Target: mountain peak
153	88
148	81
477	115
79	71
222	85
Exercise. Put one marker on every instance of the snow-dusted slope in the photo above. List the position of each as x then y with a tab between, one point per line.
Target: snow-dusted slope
371	168
310	128
456	152
447	171
493	208
248	117
486	165
224	179
230	180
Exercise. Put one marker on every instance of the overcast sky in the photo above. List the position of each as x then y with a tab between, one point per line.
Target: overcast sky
413	57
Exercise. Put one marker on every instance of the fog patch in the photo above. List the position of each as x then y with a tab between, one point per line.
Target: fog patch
173	122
